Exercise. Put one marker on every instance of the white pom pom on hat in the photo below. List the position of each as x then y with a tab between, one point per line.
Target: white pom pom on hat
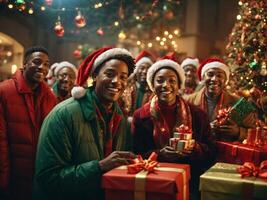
91	63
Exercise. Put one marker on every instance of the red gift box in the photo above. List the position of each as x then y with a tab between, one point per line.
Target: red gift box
237	153
169	181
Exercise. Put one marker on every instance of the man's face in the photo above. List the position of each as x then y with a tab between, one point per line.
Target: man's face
215	80
111	80
66	78
190	73
166	86
141	72
36	67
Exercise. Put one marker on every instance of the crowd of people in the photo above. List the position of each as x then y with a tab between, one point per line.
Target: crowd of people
58	134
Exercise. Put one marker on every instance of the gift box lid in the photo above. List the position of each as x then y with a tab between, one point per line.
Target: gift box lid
223	178
167	178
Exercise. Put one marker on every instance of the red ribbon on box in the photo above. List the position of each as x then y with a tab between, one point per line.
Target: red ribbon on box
249	169
141	164
183	129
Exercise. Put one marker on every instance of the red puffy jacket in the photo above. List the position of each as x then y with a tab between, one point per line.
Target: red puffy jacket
20	122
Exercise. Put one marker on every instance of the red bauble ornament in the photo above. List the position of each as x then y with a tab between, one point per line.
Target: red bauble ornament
77	53
48	2
59	29
80	20
169	15
100	32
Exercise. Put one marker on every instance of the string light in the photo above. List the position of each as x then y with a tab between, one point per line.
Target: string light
150	45
42	8
10	6
116	23
30	11
238	17
158	38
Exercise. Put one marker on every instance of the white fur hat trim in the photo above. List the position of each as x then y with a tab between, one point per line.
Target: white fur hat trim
63	65
51	71
163	64
78	92
141	61
109	54
217	65
190	61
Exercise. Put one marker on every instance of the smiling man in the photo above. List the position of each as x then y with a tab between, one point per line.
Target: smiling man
25	100
214	97
85	136
65	74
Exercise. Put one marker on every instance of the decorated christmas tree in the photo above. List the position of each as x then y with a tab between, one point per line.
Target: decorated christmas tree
246	52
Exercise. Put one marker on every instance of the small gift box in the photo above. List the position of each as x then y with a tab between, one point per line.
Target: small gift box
223	182
167	181
182	139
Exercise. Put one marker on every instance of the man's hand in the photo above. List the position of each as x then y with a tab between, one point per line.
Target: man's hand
230	129
116	159
169	154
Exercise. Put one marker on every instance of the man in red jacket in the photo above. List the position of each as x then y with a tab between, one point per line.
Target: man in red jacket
25	100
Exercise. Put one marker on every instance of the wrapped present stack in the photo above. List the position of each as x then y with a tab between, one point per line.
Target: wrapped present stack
182	139
238	112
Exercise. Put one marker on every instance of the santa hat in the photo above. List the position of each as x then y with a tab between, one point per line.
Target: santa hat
190	61
63	65
94	61
161	64
51	71
213	63
143	57
172	56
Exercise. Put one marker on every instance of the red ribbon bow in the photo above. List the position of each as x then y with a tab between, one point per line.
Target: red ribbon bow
183	129
140	164
249	169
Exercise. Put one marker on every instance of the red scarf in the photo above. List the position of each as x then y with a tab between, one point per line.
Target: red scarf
161	132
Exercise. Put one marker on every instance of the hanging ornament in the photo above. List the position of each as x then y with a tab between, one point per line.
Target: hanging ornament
80	20
254	65
169	15
59	29
77	53
100	32
48	2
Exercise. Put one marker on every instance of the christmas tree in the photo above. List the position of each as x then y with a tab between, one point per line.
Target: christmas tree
246	52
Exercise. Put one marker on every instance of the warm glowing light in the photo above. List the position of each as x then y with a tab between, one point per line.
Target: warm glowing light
138	42
170	36
238	17
149	44
137	17
240	3
42	8
14	68
116	23
9	53
166	33
176	32
162	43
173	42
158	38
122	35
164	39
30	11
10	6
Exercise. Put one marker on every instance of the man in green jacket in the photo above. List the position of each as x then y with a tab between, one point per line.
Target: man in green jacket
85	136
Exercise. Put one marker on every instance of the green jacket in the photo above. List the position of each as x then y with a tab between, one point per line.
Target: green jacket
70	147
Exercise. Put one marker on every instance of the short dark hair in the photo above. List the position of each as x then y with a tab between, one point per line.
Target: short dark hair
33	49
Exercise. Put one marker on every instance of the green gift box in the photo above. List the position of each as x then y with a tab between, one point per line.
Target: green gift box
240	110
222	182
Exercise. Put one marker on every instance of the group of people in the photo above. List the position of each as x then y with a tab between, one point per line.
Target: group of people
54	146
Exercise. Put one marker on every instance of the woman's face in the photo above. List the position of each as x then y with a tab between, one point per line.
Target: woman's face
166	86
